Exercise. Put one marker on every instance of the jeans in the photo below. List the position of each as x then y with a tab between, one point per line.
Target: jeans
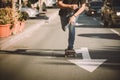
71	35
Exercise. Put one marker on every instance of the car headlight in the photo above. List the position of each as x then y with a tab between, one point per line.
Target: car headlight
118	13
92	12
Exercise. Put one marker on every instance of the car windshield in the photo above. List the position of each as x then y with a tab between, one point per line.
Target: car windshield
96	4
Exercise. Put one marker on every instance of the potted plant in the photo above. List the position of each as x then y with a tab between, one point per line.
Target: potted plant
19	23
6	21
22	18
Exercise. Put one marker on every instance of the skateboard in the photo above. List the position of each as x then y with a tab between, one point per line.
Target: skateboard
70	53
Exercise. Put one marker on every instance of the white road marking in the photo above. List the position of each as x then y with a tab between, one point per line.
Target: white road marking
116	32
87	63
78	24
85	51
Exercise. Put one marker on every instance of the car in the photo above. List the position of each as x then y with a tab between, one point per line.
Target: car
94	8
50	3
110	12
42	5
30	12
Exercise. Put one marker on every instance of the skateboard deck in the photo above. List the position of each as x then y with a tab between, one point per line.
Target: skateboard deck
70	53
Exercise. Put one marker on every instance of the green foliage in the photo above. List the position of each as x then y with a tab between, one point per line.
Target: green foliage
22	16
6	16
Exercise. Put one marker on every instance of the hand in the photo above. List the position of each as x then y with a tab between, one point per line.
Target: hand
72	20
74	6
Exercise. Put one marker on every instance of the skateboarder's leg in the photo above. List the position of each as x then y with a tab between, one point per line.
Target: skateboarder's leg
71	38
71	35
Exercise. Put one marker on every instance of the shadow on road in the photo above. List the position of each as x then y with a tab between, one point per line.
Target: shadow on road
40	17
89	26
110	53
85	25
35	52
101	35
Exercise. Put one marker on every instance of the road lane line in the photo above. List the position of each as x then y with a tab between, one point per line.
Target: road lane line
116	32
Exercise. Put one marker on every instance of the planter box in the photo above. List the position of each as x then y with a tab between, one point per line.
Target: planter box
5	30
18	27
15	28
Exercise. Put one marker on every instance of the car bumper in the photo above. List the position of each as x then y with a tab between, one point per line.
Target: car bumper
93	12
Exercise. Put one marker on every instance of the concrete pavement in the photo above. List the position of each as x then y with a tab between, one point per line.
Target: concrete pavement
35	57
29	28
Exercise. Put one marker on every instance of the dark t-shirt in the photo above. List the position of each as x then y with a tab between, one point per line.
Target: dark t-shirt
74	1
67	11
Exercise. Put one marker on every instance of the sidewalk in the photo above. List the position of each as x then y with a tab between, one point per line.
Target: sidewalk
29	28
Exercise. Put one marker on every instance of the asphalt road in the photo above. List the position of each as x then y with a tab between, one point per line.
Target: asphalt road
38	52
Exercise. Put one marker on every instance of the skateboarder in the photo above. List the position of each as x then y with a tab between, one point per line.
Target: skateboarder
69	12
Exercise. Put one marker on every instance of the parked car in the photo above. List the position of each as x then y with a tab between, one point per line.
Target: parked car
30	12
94	8
42	5
50	3
110	12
